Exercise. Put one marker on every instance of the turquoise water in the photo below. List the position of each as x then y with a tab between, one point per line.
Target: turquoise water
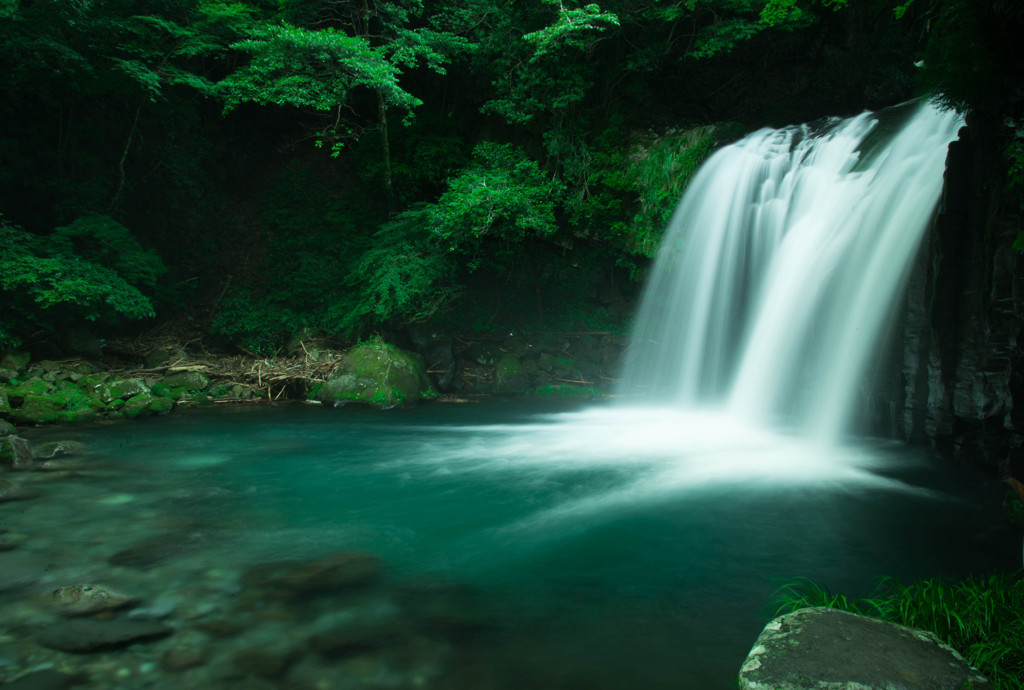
599	547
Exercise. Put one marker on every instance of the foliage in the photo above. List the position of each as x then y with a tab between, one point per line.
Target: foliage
104	241
400	277
502	195
633	188
981	618
254	322
45	284
312	69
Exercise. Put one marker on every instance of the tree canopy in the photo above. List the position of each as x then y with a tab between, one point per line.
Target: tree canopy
345	166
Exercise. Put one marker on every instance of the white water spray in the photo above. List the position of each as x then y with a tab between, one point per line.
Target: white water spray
782	265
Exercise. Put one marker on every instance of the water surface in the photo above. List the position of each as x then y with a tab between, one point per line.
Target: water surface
598	546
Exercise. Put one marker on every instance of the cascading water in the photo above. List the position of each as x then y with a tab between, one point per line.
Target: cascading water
781	266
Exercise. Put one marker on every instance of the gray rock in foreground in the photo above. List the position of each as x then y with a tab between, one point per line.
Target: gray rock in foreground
827	648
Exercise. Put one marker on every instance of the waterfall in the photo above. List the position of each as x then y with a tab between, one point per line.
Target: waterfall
782	264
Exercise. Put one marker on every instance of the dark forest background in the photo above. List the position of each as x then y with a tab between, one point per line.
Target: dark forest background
245	172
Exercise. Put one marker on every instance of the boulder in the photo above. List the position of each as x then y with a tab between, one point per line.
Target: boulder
15	451
189	380
56	449
509	376
818	648
5	403
121	389
376	374
38	409
34	386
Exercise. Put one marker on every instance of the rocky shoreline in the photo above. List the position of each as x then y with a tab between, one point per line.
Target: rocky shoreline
156	380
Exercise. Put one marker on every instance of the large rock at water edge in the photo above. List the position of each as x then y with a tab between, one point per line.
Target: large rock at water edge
376	374
15	451
818	648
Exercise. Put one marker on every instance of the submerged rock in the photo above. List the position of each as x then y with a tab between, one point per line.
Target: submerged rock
84	600
56	449
339	570
89	635
46	679
827	648
9	491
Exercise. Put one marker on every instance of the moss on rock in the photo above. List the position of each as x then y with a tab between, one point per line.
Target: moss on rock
37	409
509	375
377	374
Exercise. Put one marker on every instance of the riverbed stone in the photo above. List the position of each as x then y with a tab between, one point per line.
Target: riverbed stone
377	374
182	658
47	679
818	648
56	449
15	451
86	599
9	491
88	635
340	570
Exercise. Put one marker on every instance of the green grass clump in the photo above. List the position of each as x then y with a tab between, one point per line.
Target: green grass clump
982	618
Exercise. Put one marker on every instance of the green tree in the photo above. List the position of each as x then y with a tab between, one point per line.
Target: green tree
92	270
364	47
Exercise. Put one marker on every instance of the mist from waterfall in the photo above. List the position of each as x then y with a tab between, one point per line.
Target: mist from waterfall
782	265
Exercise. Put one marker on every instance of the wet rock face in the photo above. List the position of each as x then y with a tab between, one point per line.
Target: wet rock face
954	365
827	648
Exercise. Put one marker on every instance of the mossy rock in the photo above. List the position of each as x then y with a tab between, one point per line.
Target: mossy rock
73	398
145	404
6	428
15	451
509	375
38	409
190	380
121	389
92	382
77	414
5	403
20	391
377	374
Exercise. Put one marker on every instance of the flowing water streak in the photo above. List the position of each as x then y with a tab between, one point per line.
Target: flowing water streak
781	266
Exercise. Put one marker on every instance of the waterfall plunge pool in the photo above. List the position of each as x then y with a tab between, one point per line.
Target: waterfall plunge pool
526	544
